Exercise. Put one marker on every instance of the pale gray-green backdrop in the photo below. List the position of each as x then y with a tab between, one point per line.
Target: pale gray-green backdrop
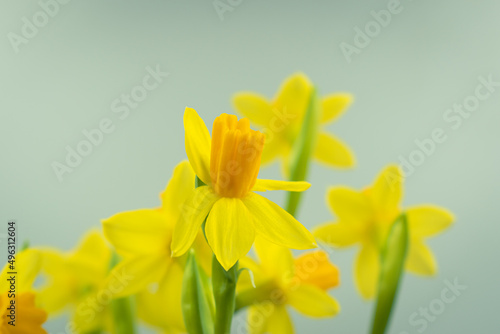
61	73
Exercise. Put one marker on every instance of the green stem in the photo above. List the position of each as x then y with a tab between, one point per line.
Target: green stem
224	288
303	151
392	267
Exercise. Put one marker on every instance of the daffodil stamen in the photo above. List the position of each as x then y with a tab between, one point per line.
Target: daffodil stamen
235	156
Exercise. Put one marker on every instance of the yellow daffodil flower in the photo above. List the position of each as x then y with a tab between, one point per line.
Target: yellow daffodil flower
282	121
29	318
280	281
75	282
143	238
229	163
365	218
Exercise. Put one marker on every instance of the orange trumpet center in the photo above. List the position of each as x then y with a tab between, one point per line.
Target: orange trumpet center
314	268
236	156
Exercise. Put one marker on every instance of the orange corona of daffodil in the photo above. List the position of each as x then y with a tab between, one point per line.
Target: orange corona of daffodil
365	218
282	120
229	163
282	281
29	318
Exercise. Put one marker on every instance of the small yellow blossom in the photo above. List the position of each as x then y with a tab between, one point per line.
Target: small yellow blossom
75	282
229	163
282	281
365	218
29	318
143	238
282	121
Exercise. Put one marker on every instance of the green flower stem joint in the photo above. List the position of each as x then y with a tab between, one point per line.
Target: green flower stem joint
224	287
303	150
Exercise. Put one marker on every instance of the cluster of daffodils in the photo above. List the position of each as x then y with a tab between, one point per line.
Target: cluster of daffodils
214	246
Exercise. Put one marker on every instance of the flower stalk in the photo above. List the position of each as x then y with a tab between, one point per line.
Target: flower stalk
303	150
393	260
224	288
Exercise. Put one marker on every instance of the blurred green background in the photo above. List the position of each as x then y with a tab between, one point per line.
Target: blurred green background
66	76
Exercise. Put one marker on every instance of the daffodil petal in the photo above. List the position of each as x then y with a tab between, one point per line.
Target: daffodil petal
253	106
133	275
230	231
387	191
334	105
428	220
57	293
198	144
331	151
27	262
420	259
278	226
193	215
178	190
279	322
270	185
313	302
275	260
350	205
367	271
55	296
138	232
258	317
90	260
168	294
276	146
269	318
293	97
338	234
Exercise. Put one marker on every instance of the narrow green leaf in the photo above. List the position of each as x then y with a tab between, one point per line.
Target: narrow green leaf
224	288
303	150
392	267
197	300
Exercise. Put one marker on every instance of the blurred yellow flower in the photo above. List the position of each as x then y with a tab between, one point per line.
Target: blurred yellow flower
282	121
75	281
280	281
229	163
28	317
143	238
365	218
